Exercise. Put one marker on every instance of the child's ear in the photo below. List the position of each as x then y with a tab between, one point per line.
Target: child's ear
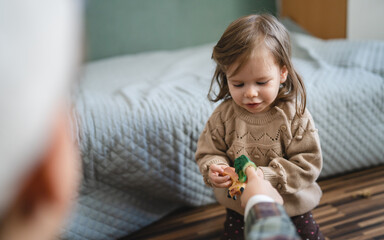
283	74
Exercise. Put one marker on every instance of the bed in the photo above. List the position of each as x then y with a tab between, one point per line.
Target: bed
138	118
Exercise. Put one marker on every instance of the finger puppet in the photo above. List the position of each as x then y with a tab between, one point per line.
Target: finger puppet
241	164
237	187
238	176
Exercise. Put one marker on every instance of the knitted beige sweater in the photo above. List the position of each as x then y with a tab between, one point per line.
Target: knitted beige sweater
286	147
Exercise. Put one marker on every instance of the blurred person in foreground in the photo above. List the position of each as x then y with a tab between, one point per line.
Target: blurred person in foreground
39	163
264	216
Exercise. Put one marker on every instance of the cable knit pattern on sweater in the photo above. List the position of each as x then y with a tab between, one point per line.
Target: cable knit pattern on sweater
286	147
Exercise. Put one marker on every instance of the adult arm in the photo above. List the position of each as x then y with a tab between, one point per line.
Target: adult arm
265	217
268	220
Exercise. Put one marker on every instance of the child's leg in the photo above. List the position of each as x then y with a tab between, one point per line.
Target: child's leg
307	227
233	226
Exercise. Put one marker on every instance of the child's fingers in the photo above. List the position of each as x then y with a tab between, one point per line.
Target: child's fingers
221	181
226	184
216	168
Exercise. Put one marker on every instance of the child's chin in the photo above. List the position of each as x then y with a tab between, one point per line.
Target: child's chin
258	109
253	111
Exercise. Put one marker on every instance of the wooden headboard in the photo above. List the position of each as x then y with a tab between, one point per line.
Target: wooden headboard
322	18
117	27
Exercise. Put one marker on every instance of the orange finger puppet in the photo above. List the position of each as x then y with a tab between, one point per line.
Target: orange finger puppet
238	183
237	187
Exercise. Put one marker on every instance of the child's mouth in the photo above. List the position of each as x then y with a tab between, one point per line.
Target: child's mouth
252	105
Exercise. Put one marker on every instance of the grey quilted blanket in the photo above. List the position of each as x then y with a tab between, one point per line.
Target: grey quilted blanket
139	117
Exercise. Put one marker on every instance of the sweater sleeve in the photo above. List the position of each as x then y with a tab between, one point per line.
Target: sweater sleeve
211	147
303	159
267	220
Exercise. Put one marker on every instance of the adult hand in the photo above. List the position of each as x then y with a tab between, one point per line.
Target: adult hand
258	185
216	177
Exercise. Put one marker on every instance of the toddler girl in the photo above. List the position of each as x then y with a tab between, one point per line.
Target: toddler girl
263	115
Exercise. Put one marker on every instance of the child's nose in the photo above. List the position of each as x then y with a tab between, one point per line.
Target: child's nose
251	92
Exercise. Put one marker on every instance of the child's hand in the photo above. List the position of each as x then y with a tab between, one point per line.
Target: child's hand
216	177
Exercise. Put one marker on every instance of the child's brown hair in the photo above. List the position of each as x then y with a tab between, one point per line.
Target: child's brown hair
237	44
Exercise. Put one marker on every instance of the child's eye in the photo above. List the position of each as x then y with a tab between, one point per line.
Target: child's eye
262	83
238	85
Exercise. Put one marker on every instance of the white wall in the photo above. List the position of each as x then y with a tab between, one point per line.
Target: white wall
365	19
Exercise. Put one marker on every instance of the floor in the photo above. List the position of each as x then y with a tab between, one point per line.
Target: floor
352	208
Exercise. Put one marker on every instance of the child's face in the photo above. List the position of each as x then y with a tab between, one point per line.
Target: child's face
255	86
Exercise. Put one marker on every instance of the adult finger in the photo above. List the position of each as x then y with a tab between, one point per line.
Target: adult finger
260	173
251	173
